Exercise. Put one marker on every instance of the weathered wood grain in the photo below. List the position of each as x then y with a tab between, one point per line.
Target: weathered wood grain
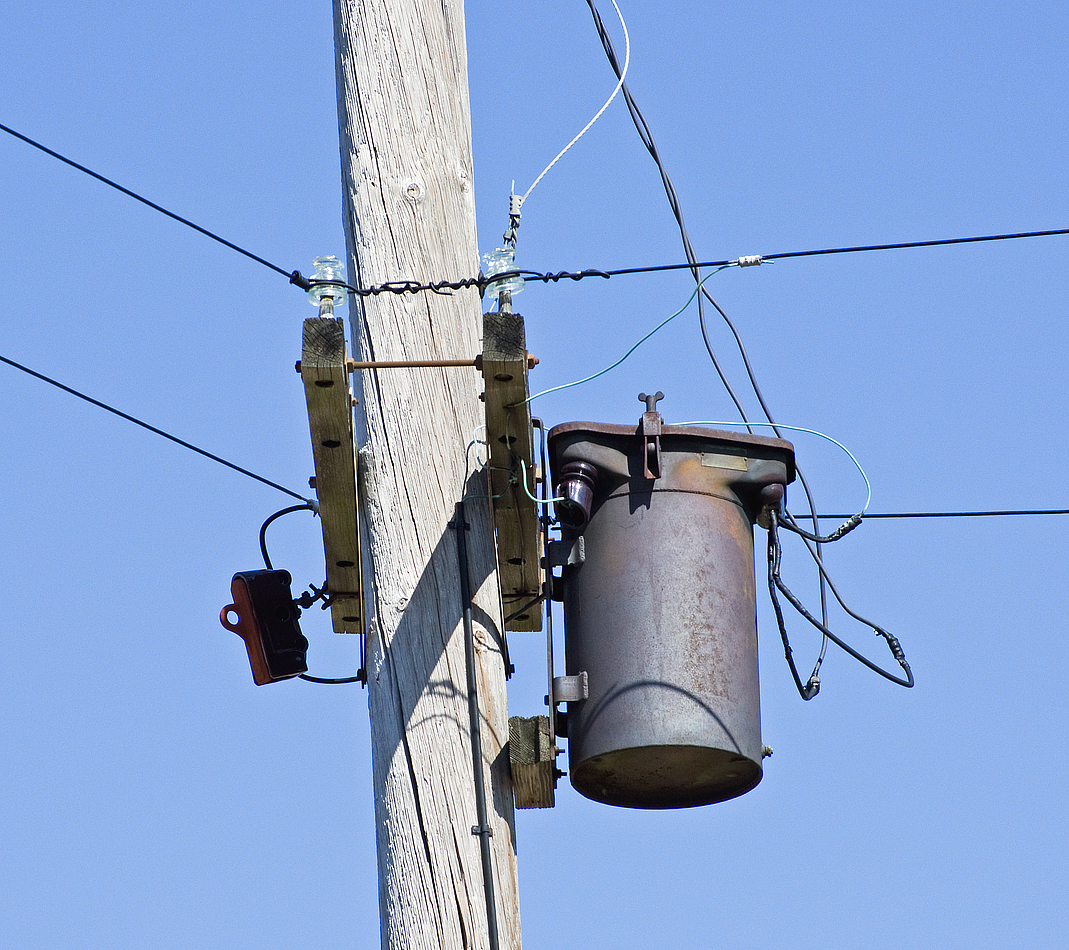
508	435
409	213
532	756
330	421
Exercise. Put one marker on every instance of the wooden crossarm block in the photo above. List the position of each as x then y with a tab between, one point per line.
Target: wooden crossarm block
330	421
508	432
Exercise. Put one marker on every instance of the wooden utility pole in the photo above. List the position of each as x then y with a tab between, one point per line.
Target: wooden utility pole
409	213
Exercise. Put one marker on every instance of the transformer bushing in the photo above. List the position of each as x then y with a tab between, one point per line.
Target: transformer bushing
660	612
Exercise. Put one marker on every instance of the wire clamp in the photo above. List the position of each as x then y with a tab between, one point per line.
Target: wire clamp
651	435
750	260
571	689
310	596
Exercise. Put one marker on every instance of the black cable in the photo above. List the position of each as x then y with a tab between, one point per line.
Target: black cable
293	275
775	582
812	687
791	254
278	514
320	679
647	140
844	529
481	282
646	135
950	514
908	244
145	425
360	677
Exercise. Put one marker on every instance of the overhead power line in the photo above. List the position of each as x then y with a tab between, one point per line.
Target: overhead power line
151	204
784	255
481	281
952	514
145	425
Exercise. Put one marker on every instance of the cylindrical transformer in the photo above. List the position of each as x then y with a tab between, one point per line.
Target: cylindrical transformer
659	607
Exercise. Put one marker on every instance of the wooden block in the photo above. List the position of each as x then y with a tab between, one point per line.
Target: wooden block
330	421
533	759
508	432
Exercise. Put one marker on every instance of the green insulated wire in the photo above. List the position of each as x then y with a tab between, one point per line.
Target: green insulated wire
664	322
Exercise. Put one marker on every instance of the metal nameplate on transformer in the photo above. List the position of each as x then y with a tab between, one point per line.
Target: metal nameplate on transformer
736	462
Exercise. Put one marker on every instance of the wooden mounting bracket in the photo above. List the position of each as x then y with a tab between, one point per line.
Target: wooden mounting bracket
324	370
505	363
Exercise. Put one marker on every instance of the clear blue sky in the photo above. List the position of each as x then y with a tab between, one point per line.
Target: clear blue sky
151	796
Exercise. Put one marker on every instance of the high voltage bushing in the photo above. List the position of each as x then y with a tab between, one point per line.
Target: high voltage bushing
660	612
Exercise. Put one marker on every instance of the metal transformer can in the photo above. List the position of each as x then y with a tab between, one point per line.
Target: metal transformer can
659	606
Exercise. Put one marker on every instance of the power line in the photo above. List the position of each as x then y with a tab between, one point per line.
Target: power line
760	258
145	425
952	514
547	277
481	282
126	191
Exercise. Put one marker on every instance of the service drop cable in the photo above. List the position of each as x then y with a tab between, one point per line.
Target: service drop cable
1001	513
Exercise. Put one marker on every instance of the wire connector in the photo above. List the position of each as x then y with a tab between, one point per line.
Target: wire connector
750	260
515	203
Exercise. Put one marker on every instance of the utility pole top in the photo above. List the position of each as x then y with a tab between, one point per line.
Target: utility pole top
409	212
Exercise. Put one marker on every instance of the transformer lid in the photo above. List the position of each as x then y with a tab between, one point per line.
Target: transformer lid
757	446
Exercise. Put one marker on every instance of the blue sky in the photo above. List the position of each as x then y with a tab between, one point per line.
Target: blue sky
152	796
